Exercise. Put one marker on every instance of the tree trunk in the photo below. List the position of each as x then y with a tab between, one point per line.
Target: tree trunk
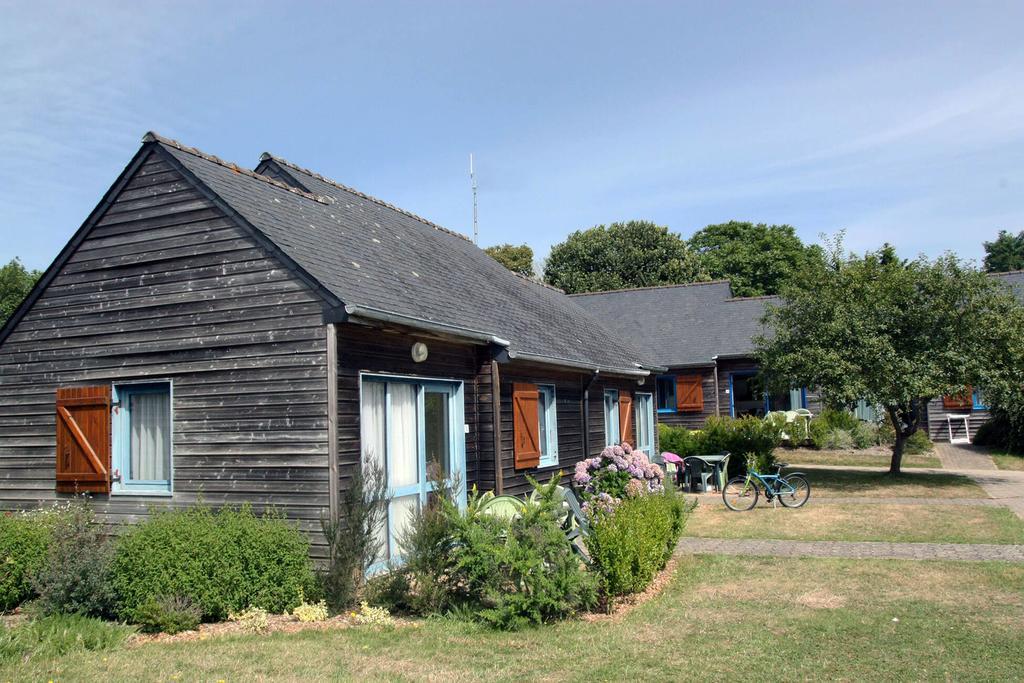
897	454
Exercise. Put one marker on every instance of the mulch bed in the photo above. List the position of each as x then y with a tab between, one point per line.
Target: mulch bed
622	606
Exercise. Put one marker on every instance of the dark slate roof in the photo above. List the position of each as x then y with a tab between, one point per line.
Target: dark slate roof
1015	280
370	254
683	324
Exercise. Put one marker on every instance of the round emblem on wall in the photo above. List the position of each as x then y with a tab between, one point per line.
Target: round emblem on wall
419	352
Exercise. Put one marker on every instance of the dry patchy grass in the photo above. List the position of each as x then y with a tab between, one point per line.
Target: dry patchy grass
827	483
878	456
1009	461
852	522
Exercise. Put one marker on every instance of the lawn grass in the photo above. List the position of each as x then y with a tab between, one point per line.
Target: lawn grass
827	482
1008	461
719	617
868	457
854	522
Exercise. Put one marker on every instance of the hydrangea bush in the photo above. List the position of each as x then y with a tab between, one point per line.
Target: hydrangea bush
618	473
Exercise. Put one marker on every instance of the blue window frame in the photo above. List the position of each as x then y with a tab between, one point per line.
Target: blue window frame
611	417
142	439
409	426
978	400
643	406
548	414
666	389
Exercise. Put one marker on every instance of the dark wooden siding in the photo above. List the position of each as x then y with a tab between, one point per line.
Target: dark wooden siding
166	286
694	419
937	426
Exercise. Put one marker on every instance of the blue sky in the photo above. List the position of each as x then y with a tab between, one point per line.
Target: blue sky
894	121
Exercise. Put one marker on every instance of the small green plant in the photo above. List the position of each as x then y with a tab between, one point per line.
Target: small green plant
307	612
390	589
865	435
75	577
918	444
838	440
631	544
353	542
56	636
168	615
378	617
839	419
251	619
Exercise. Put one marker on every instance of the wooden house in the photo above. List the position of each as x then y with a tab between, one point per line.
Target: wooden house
238	336
704	336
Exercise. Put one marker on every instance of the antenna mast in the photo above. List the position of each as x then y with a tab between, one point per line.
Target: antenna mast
472	181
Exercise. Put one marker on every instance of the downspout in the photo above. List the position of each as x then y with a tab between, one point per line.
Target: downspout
586	413
718	410
332	420
496	424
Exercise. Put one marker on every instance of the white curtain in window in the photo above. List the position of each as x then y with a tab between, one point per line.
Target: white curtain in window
373	419
403	458
150	436
611	418
796	399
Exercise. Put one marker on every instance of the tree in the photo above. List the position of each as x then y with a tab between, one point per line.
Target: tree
756	259
15	284
1005	253
894	333
621	255
518	259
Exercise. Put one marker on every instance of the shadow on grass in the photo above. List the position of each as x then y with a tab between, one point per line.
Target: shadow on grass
848	483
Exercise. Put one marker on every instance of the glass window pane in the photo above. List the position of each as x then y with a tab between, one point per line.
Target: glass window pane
150	436
403	453
611	417
399	517
373	422
435	429
796	399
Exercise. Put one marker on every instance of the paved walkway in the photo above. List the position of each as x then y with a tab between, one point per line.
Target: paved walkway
858	550
716	499
963	457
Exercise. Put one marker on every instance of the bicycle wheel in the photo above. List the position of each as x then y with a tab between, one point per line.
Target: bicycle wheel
740	494
800	493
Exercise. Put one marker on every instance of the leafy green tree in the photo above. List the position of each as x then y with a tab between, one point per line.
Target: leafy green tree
621	255
15	284
894	333
757	259
1005	253
518	259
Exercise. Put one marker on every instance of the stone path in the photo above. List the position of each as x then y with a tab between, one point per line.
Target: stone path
864	549
963	457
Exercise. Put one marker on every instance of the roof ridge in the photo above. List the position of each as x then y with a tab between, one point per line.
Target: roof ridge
1006	272
753	298
150	136
643	289
267	156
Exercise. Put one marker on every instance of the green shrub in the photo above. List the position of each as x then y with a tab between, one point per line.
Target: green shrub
818	433
886	432
918	444
168	615
507	574
56	636
865	435
391	590
994	433
352	544
679	440
75	576
223	562
838	440
631	544
24	540
839	419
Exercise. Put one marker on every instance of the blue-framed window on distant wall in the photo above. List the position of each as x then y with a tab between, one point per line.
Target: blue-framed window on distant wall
141	429
666	386
611	417
978	400
548	414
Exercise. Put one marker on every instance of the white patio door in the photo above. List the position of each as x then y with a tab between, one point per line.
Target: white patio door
643	423
410	427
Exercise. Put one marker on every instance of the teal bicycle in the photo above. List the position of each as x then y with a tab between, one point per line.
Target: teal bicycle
741	493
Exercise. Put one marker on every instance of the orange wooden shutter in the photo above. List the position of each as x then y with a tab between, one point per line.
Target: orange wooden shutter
626	417
526	425
83	439
689	393
958	402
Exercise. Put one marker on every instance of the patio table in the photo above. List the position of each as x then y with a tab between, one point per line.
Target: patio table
716	464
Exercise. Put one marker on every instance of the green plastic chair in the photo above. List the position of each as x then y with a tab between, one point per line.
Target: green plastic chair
503	507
